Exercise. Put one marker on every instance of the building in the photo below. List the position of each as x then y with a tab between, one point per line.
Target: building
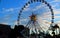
4	30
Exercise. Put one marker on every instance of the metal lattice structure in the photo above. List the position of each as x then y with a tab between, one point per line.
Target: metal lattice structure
33	1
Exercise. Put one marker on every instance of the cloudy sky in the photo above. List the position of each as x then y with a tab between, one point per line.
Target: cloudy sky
9	10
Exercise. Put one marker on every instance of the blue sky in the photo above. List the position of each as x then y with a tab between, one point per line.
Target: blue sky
9	10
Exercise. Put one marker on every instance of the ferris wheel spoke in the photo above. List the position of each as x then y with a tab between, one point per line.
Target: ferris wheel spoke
33	23
29	22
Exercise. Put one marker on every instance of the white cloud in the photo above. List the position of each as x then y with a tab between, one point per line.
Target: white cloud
54	1
40	6
26	9
57	0
48	15
11	9
24	20
5	23
36	8
56	11
4	10
57	17
55	5
21	21
7	17
15	22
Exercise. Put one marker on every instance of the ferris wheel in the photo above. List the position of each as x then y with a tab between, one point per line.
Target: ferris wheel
36	15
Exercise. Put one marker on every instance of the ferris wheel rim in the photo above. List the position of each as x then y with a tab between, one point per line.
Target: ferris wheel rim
33	1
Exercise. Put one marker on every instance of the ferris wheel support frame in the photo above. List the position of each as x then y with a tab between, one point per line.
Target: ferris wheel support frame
33	1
